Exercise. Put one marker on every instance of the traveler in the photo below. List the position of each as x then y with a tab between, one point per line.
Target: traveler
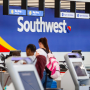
39	59
43	50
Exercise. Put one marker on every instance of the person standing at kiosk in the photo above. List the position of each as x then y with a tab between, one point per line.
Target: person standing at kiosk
39	59
30	51
43	50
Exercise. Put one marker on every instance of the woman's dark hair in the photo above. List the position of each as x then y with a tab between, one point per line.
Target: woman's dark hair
45	43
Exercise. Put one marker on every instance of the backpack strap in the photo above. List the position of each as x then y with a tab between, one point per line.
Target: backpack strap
45	50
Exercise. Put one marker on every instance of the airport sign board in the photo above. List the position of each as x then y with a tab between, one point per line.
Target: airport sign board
17	12
34	13
82	15
67	14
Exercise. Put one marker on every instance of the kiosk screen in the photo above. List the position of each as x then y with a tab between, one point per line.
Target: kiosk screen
28	60
79	68
29	80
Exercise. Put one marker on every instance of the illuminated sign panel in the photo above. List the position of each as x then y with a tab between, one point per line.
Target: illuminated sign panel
34	13
67	14
17	12
82	15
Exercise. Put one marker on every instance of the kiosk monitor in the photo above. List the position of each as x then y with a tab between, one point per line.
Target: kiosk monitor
24	77
76	66
79	68
29	80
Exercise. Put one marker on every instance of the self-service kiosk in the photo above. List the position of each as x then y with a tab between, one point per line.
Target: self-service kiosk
76	78
24	77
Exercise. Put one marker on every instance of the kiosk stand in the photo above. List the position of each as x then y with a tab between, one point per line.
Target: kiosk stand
24	76
76	78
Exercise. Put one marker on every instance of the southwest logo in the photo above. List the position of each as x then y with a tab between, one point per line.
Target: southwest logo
68	29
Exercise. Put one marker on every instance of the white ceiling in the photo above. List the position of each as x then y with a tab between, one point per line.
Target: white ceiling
48	4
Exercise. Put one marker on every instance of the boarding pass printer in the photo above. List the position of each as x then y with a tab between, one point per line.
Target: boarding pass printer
76	77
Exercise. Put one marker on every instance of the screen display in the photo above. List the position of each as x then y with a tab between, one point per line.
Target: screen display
29	80
79	68
28	60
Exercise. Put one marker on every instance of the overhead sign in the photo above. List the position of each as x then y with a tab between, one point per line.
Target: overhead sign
67	15
82	15
63	34
78	0
34	13
17	12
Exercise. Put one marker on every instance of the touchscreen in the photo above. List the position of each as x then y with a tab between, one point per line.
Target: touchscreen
79	68
29	80
28	60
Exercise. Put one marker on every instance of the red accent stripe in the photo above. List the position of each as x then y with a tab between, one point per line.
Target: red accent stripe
3	49
62	72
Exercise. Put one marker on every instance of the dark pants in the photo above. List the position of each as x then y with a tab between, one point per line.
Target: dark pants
49	80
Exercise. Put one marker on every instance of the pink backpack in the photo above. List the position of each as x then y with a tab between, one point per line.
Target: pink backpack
52	66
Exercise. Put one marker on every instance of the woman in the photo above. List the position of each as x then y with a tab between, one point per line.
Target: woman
43	50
